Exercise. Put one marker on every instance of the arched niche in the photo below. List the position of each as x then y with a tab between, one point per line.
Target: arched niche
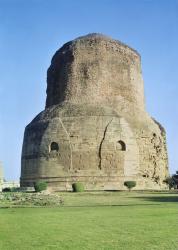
121	145
54	147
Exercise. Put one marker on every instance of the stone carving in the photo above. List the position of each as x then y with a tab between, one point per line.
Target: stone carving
95	128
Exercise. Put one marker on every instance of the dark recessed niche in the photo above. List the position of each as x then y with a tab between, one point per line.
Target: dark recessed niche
121	145
54	146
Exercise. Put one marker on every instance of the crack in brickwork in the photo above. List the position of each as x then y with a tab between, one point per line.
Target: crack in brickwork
101	143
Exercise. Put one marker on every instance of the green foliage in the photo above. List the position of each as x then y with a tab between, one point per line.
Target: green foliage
175	179
40	186
7	189
170	182
12	189
15	189
78	187
130	184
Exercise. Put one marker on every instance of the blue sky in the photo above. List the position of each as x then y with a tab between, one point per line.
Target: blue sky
31	31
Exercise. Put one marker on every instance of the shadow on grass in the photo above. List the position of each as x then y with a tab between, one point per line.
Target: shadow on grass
159	198
83	206
113	205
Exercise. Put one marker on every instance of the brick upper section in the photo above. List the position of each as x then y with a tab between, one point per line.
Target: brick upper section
95	69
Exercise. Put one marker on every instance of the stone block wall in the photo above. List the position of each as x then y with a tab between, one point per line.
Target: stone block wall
95	128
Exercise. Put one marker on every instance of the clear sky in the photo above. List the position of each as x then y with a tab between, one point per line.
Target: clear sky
31	31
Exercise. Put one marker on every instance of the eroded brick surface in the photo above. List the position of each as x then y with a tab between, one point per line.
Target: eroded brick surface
95	128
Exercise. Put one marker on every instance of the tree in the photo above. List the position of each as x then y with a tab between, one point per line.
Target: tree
170	182
130	184
175	179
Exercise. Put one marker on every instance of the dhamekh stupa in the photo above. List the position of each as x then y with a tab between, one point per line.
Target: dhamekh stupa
95	128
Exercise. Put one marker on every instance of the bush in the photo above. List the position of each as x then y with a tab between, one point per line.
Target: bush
78	187
15	189
130	184
170	182
7	189
40	186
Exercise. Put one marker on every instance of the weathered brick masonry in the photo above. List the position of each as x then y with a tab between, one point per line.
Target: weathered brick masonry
94	128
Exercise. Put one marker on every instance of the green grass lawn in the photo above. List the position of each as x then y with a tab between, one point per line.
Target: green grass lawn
98	220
